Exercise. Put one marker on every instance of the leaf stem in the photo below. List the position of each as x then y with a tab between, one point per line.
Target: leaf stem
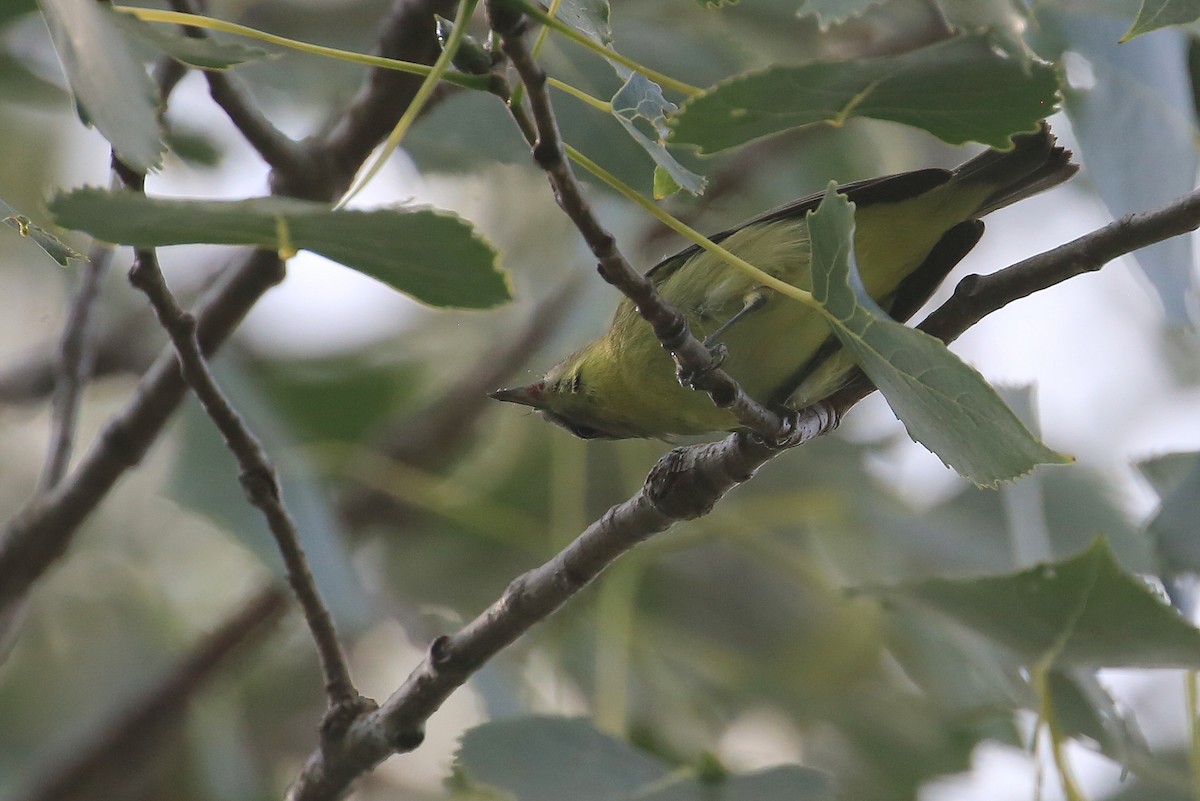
210	23
578	94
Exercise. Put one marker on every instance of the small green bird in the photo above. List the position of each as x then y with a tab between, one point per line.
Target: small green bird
910	231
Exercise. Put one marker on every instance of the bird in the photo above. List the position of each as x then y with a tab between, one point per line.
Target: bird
911	229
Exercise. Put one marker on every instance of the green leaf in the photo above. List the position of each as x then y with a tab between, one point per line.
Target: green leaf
946	405
1155	14
12	9
931	88
1121	97
1082	612
194	146
1173	529
641	97
432	256
205	53
1168	471
664	184
784	783
835	12
554	759
111	87
55	248
1085	709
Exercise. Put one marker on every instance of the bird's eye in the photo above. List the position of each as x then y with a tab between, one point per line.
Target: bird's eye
578	429
586	432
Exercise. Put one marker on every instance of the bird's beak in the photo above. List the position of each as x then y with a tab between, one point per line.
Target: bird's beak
531	395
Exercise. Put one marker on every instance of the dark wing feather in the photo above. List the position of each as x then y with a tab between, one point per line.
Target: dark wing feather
888	189
903	303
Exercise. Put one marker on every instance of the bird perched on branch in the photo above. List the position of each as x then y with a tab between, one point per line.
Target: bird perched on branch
910	231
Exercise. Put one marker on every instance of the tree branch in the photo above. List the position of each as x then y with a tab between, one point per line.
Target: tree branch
257	476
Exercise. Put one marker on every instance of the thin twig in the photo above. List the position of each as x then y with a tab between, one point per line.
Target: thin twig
258	476
698	366
73	366
131	742
277	150
684	484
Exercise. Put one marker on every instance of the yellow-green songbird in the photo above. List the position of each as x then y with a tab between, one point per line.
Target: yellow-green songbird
910	230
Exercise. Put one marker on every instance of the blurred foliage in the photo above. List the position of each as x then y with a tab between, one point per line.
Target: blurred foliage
706	656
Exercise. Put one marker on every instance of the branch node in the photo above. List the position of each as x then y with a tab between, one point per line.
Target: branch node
547	155
409	740
439	652
260	484
505	21
341	716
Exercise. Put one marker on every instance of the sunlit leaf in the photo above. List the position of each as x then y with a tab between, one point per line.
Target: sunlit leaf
946	405
433	256
931	88
111	87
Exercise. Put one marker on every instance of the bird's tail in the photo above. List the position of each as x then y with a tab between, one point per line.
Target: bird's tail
1034	164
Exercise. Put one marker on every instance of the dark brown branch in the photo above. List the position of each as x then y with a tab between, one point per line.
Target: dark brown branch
408	34
686	483
73	366
258	476
133	739
277	150
697	364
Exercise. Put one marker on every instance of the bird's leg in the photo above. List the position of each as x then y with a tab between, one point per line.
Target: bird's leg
753	302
